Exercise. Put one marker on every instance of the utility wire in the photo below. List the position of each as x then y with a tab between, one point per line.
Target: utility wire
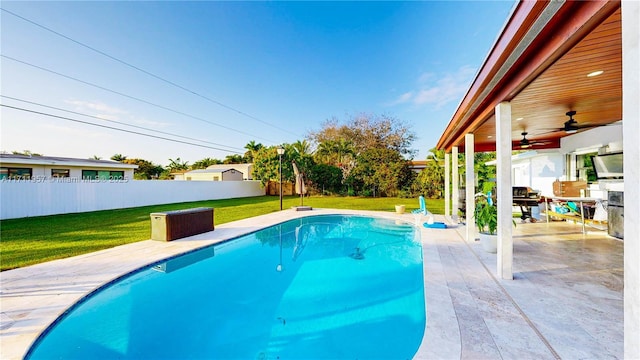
117	122
131	97
149	73
114	128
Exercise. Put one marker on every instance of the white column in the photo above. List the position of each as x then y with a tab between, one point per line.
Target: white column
631	148
470	186
573	167
504	196
447	184
454	182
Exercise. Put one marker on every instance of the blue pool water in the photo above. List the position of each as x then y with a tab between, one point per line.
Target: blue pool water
318	287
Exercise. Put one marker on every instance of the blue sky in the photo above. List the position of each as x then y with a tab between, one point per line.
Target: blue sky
264	71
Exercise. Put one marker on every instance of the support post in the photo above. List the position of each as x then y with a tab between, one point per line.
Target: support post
447	184
504	191
280	152
454	181
470	186
631	148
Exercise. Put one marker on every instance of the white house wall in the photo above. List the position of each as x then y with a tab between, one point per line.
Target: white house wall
543	170
203	176
37	198
39	171
593	139
537	170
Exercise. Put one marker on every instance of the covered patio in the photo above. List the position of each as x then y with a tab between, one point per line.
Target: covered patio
565	301
556	70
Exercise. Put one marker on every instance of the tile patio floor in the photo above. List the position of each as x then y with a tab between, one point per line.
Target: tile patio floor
565	300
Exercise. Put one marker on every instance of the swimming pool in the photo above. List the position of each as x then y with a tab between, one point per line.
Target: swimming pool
328	286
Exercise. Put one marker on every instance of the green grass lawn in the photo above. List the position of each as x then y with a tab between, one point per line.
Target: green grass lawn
34	240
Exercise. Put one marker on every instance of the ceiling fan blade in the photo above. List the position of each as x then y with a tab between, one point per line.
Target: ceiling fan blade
588	126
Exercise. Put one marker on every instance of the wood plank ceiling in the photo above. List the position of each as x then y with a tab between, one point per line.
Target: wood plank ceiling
540	109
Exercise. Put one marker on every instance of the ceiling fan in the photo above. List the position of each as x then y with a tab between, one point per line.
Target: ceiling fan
526	143
571	126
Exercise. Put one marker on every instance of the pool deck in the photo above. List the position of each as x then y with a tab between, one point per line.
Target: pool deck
565	301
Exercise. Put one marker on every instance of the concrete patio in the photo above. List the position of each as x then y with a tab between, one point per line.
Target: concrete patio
565	300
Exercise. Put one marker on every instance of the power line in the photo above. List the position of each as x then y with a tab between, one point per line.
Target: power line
114	128
131	97
117	122
149	73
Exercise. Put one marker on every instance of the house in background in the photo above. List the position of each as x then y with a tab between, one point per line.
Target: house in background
245	169
49	168
220	172
417	165
226	174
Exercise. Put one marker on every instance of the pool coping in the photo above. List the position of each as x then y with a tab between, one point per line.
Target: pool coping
33	297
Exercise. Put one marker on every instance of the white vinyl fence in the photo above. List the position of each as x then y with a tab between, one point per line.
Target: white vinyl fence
20	199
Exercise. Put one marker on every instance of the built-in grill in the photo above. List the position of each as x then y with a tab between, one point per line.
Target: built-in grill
526	198
615	214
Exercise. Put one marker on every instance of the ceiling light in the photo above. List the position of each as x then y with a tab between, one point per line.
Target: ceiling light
489	136
595	73
520	118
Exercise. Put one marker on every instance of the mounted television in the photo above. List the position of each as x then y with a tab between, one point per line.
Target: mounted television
608	166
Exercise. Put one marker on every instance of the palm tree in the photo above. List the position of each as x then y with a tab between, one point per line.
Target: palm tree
335	152
252	149
325	151
233	159
303	147
343	148
204	163
118	157
178	165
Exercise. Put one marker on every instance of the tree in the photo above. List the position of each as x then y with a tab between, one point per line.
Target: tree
326	178
25	152
146	169
205	163
365	131
266	165
370	150
95	157
177	165
302	148
118	157
233	159
381	171
430	181
486	173
252	149
335	152
324	152
300	152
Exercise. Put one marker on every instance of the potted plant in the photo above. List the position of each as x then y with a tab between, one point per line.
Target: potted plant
486	217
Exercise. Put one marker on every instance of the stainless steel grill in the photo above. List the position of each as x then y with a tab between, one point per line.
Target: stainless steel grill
525	198
615	214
